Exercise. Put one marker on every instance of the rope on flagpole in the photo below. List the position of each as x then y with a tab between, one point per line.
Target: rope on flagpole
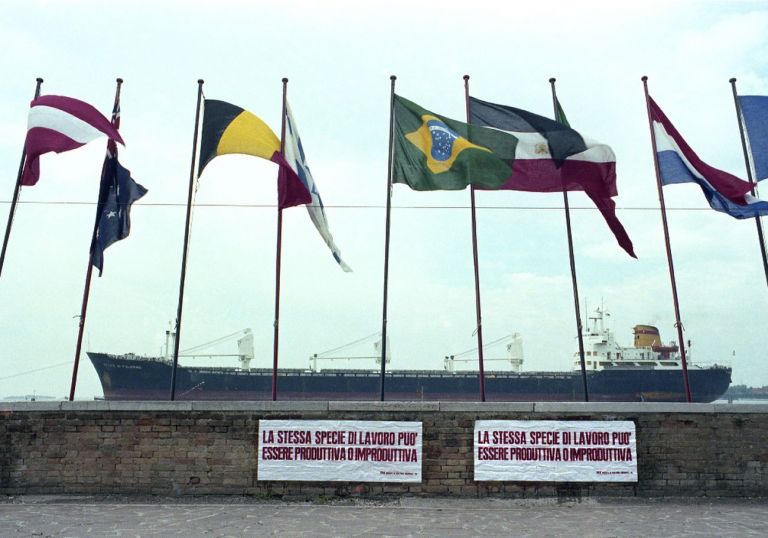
182	279
16	191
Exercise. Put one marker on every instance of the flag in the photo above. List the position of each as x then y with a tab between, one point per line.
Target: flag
754	112
114	214
296	159
551	156
432	152
57	123
117	193
679	164
229	129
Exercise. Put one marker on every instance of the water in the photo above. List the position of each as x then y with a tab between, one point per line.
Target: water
743	401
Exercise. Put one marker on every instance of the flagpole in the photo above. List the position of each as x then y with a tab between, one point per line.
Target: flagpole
16	191
89	271
678	324
192	178
392	79
758	223
478	312
572	259
278	258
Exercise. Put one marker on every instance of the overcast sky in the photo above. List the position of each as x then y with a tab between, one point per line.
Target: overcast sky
339	56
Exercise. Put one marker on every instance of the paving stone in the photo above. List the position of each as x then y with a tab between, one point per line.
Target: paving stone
53	515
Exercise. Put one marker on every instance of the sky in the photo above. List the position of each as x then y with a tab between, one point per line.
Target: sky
338	56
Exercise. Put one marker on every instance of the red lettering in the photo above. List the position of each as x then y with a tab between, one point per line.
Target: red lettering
291	437
377	438
492	453
509	438
277	453
620	438
545	438
330	438
592	438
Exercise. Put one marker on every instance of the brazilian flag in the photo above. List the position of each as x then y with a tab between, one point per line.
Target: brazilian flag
436	153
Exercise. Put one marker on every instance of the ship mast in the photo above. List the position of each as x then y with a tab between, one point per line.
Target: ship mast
170	340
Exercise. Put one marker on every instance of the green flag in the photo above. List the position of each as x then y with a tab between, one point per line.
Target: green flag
437	153
560	116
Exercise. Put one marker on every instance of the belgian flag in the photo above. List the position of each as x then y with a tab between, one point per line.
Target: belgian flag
229	129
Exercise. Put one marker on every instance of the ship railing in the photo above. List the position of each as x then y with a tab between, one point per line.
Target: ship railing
723	365
133	356
211	355
449	363
314	358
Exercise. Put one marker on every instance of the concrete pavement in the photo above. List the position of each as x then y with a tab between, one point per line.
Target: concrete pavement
77	516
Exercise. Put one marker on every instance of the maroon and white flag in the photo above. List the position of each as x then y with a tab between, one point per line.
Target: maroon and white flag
57	123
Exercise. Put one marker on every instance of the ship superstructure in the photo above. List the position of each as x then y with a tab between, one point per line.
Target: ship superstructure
602	351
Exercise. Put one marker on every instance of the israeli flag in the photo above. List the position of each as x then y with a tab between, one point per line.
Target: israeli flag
294	155
754	111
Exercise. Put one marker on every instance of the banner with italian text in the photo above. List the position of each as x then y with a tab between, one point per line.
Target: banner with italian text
555	451
339	450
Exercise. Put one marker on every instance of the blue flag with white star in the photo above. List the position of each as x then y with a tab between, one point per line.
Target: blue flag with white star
113	214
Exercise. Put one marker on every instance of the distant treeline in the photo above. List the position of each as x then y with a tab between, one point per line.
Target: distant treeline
743	391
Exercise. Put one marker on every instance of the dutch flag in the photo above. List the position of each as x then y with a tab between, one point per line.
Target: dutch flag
679	164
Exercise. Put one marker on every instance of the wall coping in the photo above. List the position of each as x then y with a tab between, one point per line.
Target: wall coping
416	406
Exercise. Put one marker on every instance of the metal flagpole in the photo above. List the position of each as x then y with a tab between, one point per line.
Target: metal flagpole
16	191
678	324
567	207
278	258
759	224
192	178
89	272
478	312
391	150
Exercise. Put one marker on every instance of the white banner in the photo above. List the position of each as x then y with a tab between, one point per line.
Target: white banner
555	451
339	450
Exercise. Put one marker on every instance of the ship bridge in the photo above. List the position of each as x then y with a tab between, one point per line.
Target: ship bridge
601	351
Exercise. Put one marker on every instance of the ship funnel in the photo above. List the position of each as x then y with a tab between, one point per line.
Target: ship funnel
245	349
646	336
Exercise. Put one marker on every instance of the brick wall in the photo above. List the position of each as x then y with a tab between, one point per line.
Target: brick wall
195	448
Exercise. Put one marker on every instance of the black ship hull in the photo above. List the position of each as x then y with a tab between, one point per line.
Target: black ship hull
144	378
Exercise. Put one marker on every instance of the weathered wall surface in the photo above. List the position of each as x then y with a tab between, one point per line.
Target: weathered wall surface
195	448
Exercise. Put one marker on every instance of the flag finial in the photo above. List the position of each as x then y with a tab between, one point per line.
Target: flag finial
644	78
732	80
40	80
552	80
466	77
119	80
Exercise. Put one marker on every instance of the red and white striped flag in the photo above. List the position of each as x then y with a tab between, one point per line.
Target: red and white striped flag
57	123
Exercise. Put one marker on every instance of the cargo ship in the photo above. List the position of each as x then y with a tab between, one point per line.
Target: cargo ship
649	371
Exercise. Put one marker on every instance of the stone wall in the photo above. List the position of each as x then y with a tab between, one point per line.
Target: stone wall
196	448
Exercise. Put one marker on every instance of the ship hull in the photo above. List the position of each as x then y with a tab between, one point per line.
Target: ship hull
139	378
